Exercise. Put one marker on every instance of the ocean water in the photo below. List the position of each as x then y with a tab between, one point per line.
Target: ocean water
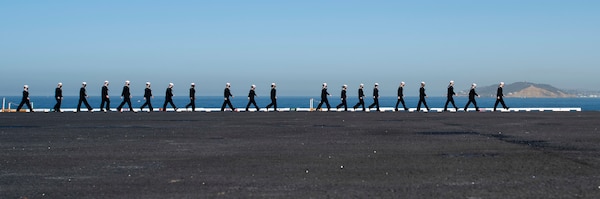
586	104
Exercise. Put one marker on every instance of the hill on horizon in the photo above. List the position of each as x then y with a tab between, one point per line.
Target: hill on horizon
522	90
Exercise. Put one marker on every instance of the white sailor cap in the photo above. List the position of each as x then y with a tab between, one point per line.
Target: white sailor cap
171	84
423	83
273	84
345	86
452	81
502	83
474	84
362	85
324	84
106	82
127	82
84	83
147	83
253	86
25	86
376	84
228	84
193	84
402	83
60	83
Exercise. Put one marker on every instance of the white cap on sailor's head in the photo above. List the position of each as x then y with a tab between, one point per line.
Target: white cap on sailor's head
171	84
228	84
345	86
324	84
362	85
60	83
193	84
273	84
474	85
84	83
25	86
402	83
376	84
501	83
452	81
253	86
127	82
106	82
422	83
148	83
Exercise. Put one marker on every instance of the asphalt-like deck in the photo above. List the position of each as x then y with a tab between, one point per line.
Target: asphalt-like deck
300	155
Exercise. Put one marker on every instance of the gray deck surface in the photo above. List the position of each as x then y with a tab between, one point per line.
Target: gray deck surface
300	155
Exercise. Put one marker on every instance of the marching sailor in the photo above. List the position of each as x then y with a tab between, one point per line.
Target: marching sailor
324	95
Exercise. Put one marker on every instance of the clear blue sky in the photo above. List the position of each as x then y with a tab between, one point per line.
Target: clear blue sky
297	44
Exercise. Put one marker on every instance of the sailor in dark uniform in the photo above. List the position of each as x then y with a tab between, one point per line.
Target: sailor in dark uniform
126	95
251	95
83	98
422	97
226	100
375	97
273	97
450	96
401	96
105	98
472	95
361	100
169	98
192	97
147	96
324	95
25	99
500	97
58	96
343	97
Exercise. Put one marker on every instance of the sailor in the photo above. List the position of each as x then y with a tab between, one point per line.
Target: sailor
273	97
472	95
169	97
192	97
361	96
401	96
105	98
83	98
324	95
450	96
25	99
147	96
375	97
226	95
422	97
343	97
500	97
58	96
251	95
126	96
